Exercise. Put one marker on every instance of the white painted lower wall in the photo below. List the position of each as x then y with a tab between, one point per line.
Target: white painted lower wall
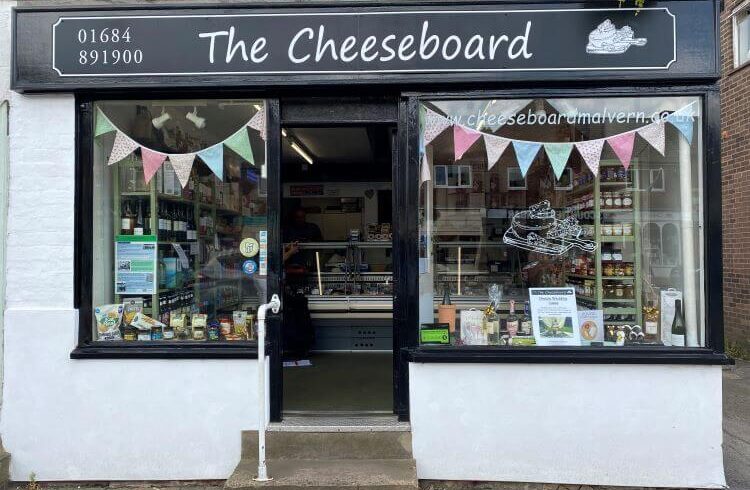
133	419
629	425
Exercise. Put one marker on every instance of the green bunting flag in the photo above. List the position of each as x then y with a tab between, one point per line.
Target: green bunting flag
558	154
239	142
103	124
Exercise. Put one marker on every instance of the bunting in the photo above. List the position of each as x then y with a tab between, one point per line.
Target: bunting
463	138
239	142
558	154
622	145
434	124
591	152
213	157
424	174
152	160
683	121
122	147
494	146
102	125
654	135
525	153
258	122
182	163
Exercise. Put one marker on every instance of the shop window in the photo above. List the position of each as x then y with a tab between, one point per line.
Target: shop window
581	227
179	220
741	34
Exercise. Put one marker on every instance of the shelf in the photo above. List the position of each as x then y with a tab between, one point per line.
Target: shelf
617	278
615	184
179	199
616	238
618	300
340	245
497	244
614	310
616	210
584	277
587	299
136	194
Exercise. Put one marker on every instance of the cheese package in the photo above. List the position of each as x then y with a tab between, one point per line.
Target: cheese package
130	309
239	318
108	319
143	322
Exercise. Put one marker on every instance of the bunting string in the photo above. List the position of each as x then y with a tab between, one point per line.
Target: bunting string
558	154
213	156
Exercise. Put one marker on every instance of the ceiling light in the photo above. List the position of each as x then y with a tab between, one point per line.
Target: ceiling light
302	153
193	117
159	121
283	132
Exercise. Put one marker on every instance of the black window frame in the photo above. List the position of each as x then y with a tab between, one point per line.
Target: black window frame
711	354
89	348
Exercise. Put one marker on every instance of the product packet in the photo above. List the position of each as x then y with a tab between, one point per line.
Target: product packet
179	324
199	320
108	319
239	318
130	309
143	322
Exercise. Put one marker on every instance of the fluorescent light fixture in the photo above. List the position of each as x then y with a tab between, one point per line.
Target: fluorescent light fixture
283	132
193	117
302	153
159	121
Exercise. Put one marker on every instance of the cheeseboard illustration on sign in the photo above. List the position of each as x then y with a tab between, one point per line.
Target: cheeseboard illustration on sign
608	39
538	230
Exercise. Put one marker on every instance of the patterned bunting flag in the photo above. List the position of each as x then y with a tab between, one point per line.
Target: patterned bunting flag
525	153
622	144
591	152
654	135
495	146
213	157
683	121
463	138
558	154
182	163
103	124
258	122
434	124
122	147
152	160
424	174
239	142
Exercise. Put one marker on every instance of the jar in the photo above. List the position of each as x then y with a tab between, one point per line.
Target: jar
619	269
629	291
628	269
617	256
609	291
156	333
619	291
199	332
606	256
130	334
606	230
608	200
617	229
168	333
627	229
622	175
213	331
627	200
617	200
144	335
608	269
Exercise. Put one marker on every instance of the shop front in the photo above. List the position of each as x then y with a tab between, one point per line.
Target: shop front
498	223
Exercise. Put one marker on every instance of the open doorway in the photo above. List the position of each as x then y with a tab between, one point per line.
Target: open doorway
337	335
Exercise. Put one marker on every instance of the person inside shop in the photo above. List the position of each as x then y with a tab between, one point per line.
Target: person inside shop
298	333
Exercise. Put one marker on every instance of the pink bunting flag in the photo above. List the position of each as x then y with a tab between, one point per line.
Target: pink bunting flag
654	135
258	122
152	160
495	146
434	124
622	145
182	163
122	147
463	138
591	152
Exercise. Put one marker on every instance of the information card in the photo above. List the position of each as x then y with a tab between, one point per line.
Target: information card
135	271
554	316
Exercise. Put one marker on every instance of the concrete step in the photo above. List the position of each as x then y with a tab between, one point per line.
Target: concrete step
297	445
329	474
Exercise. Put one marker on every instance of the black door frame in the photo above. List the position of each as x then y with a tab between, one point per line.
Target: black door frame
340	111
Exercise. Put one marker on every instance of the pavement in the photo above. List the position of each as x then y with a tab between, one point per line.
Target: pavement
737	425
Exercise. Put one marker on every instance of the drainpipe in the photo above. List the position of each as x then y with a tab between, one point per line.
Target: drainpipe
274	305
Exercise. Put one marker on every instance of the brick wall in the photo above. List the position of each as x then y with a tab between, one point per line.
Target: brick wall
735	107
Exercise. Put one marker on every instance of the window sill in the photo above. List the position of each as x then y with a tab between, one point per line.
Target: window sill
568	355
166	350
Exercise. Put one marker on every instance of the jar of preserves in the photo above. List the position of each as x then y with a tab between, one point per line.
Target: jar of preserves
616	200
609	291
619	291
617	229
629	291
619	269
627	229
608	200
608	269
627	200
628	269
606	230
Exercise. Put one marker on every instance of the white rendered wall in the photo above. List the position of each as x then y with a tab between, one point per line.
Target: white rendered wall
66	419
628	425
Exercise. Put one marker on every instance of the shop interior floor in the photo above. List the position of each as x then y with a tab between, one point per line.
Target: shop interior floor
341	382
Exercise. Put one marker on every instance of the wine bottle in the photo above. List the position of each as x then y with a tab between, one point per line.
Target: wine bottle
169	222
678	325
525	324
128	219
447	312
139	228
162	222
512	323
651	321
